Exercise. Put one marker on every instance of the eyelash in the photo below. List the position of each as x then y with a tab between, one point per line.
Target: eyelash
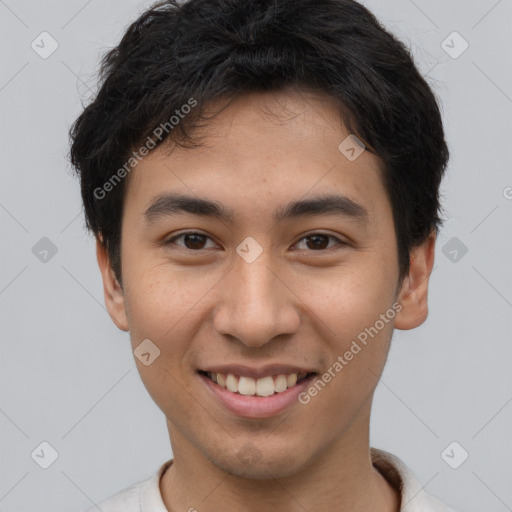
171	241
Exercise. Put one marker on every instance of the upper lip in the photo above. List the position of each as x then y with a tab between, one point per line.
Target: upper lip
257	372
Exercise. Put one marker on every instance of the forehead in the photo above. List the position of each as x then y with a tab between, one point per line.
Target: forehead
263	149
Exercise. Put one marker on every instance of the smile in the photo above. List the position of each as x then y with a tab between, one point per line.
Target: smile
255	397
249	386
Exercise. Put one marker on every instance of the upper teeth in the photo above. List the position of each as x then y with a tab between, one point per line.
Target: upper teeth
265	386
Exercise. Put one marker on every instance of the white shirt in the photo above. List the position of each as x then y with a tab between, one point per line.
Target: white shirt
146	497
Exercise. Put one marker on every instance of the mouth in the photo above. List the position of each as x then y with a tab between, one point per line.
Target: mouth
250	397
262	387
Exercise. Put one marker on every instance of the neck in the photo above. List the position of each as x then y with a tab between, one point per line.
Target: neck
342	479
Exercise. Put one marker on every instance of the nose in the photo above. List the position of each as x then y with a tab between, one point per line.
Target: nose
255	305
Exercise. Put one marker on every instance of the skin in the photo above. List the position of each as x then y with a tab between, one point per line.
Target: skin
299	306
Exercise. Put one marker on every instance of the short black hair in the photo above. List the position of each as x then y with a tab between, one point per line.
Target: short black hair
203	51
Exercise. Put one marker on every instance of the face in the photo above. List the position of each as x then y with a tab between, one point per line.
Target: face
264	290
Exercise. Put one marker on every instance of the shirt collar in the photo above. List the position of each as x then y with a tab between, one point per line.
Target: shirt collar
413	496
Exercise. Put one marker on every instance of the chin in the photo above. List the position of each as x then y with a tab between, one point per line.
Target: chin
264	463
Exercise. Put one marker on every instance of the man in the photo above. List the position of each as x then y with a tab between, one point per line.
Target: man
262	181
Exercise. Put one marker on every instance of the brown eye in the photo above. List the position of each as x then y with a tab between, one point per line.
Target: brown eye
192	241
319	241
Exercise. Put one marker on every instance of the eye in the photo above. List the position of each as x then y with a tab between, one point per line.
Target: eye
192	240
196	241
319	241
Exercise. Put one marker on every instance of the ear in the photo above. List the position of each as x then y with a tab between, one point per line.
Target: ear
413	294
112	290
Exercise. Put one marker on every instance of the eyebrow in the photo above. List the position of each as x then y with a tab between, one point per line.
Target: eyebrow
329	204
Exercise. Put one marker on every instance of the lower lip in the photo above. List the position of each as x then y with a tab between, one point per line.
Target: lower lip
257	406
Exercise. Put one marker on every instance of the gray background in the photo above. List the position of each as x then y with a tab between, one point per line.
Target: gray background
67	375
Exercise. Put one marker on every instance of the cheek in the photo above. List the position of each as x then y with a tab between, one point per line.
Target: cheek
347	311
346	300
159	297
165	307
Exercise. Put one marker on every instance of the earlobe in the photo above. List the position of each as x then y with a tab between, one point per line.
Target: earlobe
413	295
112	290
